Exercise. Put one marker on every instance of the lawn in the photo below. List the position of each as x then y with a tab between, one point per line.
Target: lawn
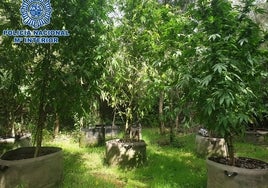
167	166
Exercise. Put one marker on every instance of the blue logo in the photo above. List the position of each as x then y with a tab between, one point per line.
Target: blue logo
36	13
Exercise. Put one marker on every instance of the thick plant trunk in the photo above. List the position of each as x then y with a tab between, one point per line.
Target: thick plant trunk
172	133
174	128
177	122
114	116
12	124
230	147
41	121
172	120
56	125
42	114
113	123
160	111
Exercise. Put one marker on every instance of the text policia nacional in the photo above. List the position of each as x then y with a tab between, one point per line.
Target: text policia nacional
36	36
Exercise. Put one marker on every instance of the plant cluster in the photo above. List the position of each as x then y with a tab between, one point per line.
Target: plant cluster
170	63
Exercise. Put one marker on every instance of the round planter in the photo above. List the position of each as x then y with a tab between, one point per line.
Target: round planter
6	144
125	154
112	131
92	136
222	176
44	171
207	146
10	140
256	137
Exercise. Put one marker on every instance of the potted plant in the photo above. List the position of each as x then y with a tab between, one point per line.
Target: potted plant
123	88
37	166
227	74
19	167
32	166
129	151
96	134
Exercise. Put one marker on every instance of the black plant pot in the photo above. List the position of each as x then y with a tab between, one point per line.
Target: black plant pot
125	154
92	136
223	176
207	146
18	168
256	136
112	131
96	135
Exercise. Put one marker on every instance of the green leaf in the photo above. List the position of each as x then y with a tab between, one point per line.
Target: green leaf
222	100
242	41
206	80
219	67
214	37
228	78
143	19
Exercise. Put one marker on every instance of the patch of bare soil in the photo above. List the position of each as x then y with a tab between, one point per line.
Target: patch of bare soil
242	162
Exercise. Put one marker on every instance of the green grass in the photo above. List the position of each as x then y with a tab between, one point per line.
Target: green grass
167	166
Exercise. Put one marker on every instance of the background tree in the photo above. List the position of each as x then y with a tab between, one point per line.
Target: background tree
13	100
143	68
226	71
124	82
61	78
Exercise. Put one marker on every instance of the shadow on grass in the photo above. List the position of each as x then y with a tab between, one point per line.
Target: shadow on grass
77	174
166	167
169	166
171	169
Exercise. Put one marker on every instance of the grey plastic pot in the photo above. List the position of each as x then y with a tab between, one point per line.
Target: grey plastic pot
207	146
223	176
125	154
41	172
92	136
256	137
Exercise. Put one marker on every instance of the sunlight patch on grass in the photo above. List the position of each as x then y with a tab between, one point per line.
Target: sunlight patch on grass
93	160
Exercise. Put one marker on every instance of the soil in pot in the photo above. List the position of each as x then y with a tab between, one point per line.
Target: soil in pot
28	153
242	162
10	143
126	154
247	173
19	168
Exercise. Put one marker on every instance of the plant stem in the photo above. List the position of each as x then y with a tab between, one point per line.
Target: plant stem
41	120
42	114
160	111
230	146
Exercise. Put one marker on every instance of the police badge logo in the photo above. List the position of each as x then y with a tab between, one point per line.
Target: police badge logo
36	13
